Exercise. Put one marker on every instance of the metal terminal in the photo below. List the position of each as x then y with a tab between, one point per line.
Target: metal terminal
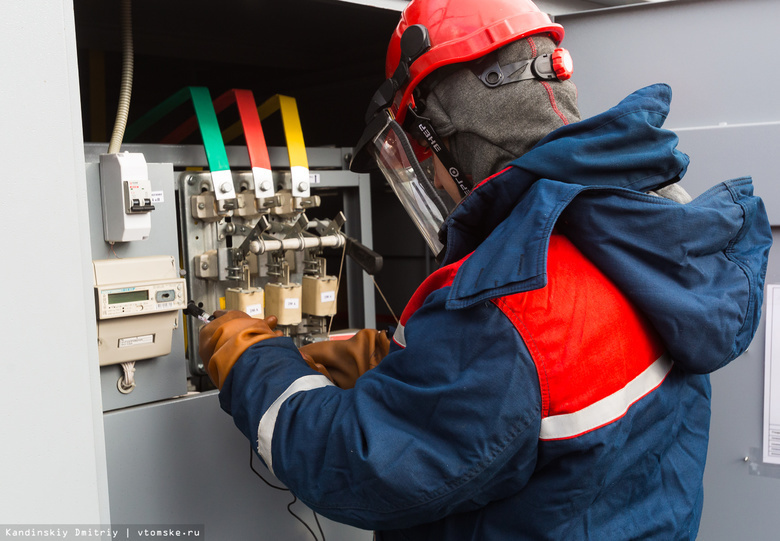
204	207
271	202
206	265
307	202
234	269
246	205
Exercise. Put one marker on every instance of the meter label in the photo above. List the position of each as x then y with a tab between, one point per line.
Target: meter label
136	341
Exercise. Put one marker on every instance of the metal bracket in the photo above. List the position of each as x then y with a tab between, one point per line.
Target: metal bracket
240	253
334	226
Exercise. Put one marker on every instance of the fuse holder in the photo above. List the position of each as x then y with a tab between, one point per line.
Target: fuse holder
284	302
249	301
319	295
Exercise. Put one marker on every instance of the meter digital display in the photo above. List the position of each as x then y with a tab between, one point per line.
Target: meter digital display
128	296
140	298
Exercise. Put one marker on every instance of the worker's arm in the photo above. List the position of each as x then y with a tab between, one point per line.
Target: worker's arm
444	425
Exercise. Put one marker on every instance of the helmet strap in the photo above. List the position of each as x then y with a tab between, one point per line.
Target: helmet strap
414	42
546	67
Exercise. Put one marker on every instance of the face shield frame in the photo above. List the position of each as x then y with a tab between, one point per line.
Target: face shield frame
421	129
404	154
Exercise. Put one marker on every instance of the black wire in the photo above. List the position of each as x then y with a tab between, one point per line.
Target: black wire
289	506
252	467
319	526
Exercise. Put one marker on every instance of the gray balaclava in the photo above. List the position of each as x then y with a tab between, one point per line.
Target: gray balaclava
490	127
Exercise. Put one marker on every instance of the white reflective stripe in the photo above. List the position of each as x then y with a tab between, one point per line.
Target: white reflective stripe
607	409
398	336
265	430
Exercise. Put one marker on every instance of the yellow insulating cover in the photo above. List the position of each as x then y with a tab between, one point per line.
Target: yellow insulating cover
319	295
247	300
284	302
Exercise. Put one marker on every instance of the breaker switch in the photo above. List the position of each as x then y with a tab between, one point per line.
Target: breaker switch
126	194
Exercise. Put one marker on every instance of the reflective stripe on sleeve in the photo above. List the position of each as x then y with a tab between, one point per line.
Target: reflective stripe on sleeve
398	336
608	409
265	430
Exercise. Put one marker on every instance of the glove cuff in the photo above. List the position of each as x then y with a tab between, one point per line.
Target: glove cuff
232	339
344	361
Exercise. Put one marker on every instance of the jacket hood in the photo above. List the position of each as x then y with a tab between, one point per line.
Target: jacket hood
695	270
623	147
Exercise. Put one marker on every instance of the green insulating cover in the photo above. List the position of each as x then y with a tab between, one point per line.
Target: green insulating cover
207	121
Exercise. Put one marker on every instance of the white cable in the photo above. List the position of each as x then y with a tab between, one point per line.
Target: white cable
127	382
397	321
126	88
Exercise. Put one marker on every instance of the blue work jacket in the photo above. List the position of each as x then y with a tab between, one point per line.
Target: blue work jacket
550	380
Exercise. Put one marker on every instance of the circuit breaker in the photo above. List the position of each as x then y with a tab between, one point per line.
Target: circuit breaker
127	197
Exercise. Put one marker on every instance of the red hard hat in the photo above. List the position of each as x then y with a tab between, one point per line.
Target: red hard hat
462	30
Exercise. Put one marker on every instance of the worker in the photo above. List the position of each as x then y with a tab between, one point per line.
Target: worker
550	379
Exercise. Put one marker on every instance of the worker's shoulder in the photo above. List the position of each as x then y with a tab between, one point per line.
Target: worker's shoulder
439	279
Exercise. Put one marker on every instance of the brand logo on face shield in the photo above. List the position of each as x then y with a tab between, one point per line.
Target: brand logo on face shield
434	145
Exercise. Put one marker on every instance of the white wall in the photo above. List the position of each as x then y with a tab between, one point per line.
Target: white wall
52	447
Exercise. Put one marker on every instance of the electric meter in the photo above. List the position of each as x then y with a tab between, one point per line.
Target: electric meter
138	300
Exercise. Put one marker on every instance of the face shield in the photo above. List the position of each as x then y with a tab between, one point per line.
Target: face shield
405	156
409	169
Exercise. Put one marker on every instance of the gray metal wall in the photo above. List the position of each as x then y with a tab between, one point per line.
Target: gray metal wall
720	57
184	462
52	447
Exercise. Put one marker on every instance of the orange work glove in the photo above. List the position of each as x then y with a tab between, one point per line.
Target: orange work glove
223	340
344	361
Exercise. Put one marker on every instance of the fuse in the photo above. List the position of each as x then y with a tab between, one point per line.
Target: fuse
247	300
319	295
284	302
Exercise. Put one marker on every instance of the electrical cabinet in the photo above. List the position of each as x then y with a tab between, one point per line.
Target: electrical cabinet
263	242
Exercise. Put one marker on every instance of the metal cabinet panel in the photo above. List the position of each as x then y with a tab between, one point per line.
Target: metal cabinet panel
183	462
